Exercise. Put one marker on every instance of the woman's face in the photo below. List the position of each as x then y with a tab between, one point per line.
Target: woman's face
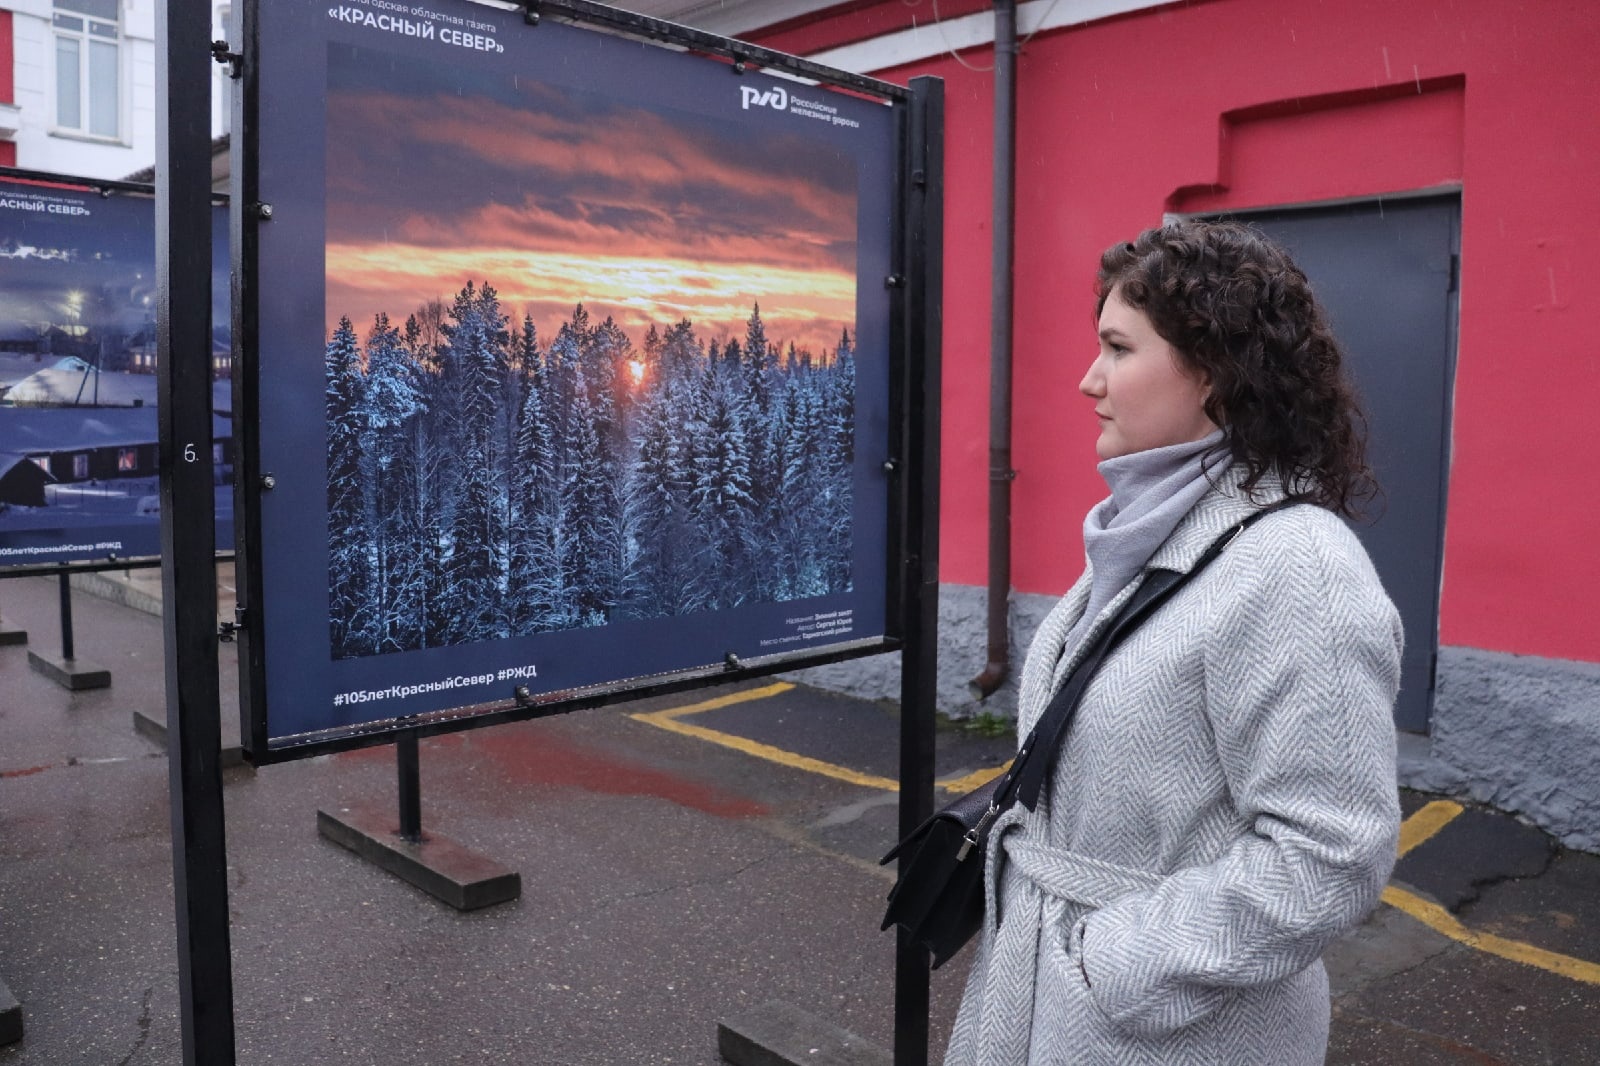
1144	396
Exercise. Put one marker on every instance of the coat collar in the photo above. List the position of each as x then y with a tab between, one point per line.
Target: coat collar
1227	504
1049	660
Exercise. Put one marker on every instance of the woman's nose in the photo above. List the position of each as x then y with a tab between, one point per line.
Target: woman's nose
1092	383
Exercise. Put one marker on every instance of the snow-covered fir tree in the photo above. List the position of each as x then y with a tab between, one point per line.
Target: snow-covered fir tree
534	583
351	589
391	397
587	516
475	565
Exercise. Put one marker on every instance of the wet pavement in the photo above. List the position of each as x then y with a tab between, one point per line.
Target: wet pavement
680	865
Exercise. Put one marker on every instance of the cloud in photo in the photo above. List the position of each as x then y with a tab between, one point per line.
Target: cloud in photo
437	176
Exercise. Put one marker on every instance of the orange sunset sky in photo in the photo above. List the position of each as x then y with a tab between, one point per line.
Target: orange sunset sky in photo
437	176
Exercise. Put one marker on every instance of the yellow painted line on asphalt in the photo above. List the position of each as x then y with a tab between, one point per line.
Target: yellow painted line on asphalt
745	696
1425	823
1414	831
1421	827
671	720
1442	921
960	786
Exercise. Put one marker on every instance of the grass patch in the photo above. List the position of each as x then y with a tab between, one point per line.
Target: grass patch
991	726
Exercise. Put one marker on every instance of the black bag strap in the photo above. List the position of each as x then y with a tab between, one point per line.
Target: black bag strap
1037	754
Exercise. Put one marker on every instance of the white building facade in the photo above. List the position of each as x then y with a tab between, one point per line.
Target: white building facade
83	85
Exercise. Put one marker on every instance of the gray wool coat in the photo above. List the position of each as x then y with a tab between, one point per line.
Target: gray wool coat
1223	807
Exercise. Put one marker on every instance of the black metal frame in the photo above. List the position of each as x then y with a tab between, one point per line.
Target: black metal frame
921	318
912	619
246	218
137	562
65	571
546	705
103	186
188	549
742	53
245	319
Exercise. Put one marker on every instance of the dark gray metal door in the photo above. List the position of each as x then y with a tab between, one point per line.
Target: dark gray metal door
1387	272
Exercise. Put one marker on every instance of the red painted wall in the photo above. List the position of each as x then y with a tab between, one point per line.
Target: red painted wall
1257	102
7	60
8	149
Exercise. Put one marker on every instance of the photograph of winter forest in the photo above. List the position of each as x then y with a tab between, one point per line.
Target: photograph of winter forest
585	362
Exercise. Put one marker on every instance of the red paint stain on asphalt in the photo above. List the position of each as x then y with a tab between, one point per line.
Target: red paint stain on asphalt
24	773
524	757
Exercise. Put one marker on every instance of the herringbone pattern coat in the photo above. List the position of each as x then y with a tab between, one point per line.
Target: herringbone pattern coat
1224	806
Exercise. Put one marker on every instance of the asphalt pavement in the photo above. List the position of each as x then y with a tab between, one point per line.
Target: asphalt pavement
683	861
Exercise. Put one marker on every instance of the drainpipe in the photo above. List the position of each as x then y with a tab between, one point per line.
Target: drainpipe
1002	267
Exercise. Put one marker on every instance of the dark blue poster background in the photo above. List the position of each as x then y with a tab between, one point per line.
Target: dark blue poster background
78	473
574	362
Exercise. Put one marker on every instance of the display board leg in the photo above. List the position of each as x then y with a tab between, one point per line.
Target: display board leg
440	867
923	251
66	616
67	670
10	1017
408	763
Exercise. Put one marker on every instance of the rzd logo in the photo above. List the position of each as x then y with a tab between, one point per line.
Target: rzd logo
774	98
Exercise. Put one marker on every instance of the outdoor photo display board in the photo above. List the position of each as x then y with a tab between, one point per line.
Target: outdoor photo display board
572	368
78	463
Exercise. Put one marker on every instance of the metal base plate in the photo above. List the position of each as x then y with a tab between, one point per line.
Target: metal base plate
10	1017
10	634
75	675
439	866
779	1034
232	754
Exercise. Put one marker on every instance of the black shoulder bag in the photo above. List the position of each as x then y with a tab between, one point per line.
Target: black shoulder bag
938	898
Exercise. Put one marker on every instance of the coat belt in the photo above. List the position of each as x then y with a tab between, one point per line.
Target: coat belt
1072	876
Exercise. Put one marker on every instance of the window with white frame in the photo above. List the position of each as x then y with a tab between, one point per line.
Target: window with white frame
221	95
88	66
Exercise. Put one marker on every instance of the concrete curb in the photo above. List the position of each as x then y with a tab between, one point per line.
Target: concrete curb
117	591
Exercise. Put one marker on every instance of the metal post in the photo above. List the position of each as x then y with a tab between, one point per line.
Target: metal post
410	772
922	255
66	617
188	535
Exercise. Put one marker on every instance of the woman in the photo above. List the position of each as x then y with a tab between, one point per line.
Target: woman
1224	805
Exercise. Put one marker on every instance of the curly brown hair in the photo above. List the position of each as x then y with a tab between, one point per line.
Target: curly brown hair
1240	313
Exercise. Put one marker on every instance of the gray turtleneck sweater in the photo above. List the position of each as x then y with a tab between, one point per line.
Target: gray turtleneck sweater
1150	492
